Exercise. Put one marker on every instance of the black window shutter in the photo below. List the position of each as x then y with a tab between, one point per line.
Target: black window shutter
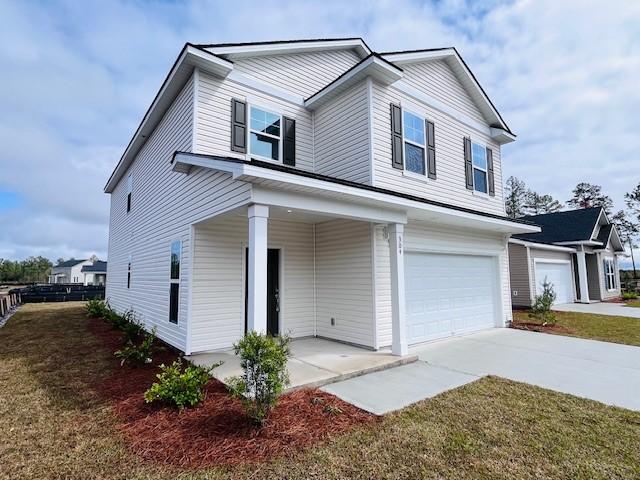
492	181
289	142
396	137
431	149
238	126
468	166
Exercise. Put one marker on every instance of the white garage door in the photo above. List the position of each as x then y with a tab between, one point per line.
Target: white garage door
559	274
448	294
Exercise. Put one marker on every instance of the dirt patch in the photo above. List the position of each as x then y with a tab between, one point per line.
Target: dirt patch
537	327
215	433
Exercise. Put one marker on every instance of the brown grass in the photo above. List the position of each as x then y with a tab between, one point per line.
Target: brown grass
54	424
585	325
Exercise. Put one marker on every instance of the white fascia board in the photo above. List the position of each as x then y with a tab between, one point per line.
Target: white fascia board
592	243
239	51
190	58
250	173
372	67
460	69
542	246
325	205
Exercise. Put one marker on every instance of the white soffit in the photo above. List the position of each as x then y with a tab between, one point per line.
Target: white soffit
288	47
190	57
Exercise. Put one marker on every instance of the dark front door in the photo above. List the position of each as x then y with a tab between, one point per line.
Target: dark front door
273	291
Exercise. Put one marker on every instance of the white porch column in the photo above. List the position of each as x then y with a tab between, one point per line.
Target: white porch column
257	279
582	276
399	333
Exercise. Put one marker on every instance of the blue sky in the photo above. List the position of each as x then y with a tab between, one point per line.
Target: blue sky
78	76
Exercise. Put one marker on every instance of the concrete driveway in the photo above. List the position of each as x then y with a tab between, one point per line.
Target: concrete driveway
606	372
617	309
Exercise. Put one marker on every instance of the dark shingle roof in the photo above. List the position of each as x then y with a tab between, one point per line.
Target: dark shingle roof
569	226
69	263
98	266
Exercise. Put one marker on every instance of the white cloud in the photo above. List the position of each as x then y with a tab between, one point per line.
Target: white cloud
78	77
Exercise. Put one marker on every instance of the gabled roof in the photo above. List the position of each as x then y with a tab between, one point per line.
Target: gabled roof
573	226
462	72
69	263
98	266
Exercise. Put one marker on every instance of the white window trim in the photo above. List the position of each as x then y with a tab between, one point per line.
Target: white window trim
610	276
251	130
175	280
485	170
410	173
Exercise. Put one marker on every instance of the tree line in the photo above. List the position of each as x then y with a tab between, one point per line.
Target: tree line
521	201
32	269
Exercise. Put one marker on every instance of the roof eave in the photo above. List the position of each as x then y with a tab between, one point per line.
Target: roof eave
189	58
373	66
243	50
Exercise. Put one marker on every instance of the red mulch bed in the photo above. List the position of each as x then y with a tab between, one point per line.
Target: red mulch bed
536	327
217	432
615	300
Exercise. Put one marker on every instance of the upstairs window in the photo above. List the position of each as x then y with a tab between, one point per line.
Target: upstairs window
129	190
265	134
414	142
610	274
479	161
174	281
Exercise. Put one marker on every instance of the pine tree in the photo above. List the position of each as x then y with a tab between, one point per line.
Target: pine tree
586	195
515	197
537	204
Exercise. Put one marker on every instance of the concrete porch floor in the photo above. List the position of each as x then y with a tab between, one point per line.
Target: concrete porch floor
314	362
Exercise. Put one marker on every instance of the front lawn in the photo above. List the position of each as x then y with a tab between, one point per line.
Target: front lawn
586	325
633	303
55	423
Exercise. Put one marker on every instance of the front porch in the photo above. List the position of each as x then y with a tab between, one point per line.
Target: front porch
314	362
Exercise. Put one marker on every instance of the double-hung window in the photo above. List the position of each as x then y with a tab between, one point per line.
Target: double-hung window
414	142
174	281
265	133
479	161
609	274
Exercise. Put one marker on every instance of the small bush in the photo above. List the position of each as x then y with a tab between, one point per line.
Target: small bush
264	362
180	387
133	330
96	308
114	319
138	353
542	306
629	295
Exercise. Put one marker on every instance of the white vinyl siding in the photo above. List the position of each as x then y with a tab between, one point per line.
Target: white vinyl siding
166	204
344	281
450	185
342	136
213	123
436	79
300	73
218	297
423	237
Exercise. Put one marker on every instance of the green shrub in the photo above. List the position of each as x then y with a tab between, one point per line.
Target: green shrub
132	329
542	306
264	362
138	353
180	387
114	319
96	308
629	295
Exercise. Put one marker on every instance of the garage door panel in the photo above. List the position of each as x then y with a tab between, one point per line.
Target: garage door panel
560	275
448	294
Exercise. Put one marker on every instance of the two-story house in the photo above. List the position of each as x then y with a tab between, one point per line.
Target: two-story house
315	188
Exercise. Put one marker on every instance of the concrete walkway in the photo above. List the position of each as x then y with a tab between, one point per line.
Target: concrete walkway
600	308
606	372
314	362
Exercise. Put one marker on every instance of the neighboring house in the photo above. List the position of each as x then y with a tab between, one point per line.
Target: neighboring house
69	271
95	274
576	251
314	188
